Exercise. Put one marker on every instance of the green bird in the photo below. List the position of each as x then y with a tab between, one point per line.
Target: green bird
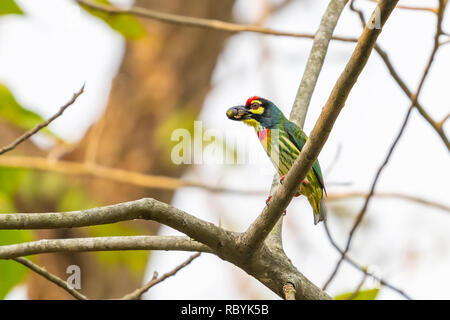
283	141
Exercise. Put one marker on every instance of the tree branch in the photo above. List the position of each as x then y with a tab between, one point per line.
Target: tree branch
147	209
315	60
359	218
307	85
358	266
198	22
221	242
396	195
173	243
289	292
135	295
42	125
113	174
51	277
384	56
231	27
261	227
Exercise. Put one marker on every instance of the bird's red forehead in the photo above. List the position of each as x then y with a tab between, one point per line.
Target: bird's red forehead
249	100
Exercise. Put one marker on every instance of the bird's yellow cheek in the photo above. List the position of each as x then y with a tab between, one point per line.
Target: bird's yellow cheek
260	110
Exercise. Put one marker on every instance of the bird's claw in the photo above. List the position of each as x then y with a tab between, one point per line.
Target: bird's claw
267	203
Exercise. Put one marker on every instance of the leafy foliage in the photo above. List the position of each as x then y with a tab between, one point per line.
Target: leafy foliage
9	7
11	272
125	24
369	294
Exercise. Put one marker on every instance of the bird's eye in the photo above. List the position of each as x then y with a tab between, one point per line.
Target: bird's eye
255	106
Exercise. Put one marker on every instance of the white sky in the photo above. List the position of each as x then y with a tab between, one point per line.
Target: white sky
48	54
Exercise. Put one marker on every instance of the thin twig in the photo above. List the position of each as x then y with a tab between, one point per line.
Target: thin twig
198	22
358	288
395	195
51	277
433	10
402	84
114	174
231	27
358	266
169	183
394	144
135	295
42	125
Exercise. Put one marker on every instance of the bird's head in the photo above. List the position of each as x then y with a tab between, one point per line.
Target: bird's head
256	112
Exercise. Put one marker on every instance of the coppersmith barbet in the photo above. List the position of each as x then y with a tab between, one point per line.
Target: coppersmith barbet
283	141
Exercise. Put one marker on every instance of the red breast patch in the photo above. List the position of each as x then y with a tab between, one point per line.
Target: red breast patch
262	134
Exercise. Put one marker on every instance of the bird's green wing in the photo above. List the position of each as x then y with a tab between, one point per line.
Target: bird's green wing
298	137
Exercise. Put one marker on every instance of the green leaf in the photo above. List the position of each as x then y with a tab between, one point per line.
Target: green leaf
12	273
125	24
6	204
14	113
369	294
9	7
10	179
74	198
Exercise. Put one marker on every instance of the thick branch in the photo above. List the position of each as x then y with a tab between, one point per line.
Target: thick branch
147	209
172	243
271	267
307	85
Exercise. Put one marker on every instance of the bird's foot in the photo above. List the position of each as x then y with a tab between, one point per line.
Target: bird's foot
282	178
267	203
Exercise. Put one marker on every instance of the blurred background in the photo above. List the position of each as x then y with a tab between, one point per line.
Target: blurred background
144	79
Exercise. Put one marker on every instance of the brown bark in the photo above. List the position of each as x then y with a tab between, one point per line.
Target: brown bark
160	86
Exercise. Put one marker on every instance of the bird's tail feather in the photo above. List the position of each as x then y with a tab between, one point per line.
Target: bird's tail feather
320	212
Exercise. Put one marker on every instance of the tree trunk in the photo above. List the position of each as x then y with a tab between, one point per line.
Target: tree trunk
161	86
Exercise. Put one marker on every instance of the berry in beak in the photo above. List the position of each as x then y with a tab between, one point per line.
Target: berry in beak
237	113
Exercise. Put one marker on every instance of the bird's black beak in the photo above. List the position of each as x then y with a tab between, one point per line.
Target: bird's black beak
238	113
